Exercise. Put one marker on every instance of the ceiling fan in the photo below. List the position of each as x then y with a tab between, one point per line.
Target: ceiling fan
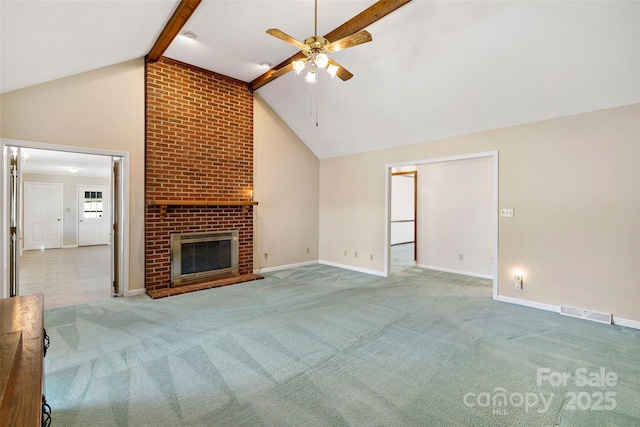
353	26
315	49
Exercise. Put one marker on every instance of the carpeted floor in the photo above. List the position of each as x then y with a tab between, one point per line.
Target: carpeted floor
321	346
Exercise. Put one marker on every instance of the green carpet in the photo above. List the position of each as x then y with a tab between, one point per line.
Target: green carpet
321	346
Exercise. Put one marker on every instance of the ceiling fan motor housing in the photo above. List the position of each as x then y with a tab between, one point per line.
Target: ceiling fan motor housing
317	43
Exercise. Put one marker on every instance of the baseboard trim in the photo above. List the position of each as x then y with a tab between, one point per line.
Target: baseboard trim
284	267
135	292
527	303
352	268
619	321
635	324
465	273
69	246
329	263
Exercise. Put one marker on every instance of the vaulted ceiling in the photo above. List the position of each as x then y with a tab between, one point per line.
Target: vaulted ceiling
434	68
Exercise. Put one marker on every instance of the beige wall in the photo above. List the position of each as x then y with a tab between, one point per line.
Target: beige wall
574	183
286	185
456	222
101	109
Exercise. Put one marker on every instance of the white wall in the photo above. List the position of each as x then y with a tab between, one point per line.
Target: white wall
456	230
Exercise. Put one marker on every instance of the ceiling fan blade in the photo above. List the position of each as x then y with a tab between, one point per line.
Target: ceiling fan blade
342	72
350	41
286	38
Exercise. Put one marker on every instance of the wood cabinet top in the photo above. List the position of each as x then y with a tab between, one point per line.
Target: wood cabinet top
21	365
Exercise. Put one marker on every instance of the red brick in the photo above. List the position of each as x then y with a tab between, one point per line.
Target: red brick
199	145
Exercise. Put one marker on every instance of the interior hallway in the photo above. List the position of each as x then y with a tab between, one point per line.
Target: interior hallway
67	276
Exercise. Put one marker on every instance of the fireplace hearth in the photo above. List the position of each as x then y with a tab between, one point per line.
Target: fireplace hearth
201	257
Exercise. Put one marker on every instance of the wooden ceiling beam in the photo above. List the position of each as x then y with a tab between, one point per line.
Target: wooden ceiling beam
180	17
359	22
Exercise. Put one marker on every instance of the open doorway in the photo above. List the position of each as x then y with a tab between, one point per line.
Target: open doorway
403	218
68	207
456	215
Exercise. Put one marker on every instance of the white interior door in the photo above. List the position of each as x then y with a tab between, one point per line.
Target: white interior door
93	215
43	215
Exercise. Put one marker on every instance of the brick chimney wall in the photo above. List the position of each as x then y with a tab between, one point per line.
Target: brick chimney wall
199	146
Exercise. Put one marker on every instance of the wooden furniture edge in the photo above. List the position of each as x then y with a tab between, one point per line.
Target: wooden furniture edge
22	401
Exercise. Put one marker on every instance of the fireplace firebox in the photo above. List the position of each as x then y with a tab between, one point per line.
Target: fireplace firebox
200	257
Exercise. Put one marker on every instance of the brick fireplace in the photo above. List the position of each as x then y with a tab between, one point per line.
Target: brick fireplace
199	149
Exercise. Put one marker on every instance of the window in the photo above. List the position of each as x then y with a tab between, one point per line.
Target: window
93	204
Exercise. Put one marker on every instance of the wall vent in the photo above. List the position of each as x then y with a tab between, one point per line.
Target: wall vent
586	314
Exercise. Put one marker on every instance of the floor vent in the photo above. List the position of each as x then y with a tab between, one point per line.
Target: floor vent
586	314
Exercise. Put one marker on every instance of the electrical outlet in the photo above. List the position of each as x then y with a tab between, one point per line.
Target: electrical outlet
506	212
307	250
460	257
355	254
266	255
518	280
371	257
345	252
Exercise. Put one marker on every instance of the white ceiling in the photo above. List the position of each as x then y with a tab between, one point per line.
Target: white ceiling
434	68
46	40
61	163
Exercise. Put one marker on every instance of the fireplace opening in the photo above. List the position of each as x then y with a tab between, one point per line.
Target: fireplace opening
199	257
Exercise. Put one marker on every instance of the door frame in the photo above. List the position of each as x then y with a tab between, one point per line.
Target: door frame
123	206
387	232
415	208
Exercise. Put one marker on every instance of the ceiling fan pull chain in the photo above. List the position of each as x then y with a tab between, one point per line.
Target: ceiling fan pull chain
317	103
313	97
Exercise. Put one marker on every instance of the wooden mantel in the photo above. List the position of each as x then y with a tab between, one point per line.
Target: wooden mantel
163	203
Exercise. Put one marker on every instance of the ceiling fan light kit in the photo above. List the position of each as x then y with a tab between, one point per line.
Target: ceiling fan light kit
311	75
321	60
315	50
332	70
298	66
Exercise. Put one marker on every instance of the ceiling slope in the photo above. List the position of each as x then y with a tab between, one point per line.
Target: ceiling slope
440	69
46	40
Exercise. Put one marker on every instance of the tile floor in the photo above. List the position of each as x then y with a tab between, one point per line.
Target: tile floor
67	276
